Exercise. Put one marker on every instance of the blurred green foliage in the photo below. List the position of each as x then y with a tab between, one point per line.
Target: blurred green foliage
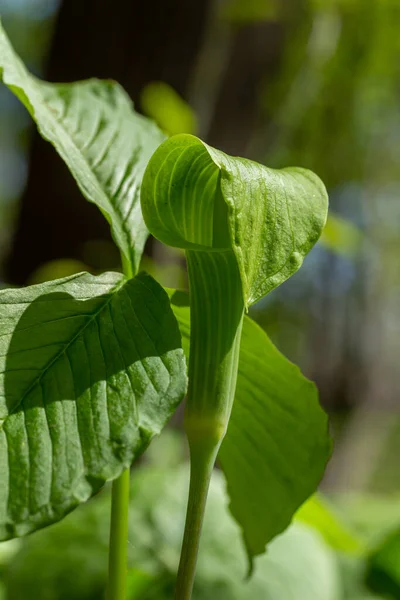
375	516
44	564
341	236
251	11
69	560
56	269
318	513
161	102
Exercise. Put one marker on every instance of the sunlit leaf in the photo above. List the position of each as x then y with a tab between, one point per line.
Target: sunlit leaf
91	369
103	141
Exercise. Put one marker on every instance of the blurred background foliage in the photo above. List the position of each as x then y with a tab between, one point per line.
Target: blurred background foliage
314	83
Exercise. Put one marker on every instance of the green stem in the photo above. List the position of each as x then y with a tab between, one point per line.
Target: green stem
117	564
127	267
217	311
118	547
201	467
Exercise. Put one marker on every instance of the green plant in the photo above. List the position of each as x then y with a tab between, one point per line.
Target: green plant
245	229
93	367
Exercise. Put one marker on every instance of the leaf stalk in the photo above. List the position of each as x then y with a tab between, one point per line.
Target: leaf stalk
117	565
118	547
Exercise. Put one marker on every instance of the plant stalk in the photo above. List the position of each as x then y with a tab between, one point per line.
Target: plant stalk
118	546
217	311
201	468
117	564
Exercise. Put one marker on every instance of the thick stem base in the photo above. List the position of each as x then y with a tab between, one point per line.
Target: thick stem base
201	470
217	311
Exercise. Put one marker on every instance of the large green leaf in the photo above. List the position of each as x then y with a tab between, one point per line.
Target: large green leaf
105	144
198	198
91	368
277	445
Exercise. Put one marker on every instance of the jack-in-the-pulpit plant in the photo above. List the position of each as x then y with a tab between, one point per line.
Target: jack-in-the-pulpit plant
245	229
92	367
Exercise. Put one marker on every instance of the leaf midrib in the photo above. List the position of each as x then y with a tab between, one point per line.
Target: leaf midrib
54	359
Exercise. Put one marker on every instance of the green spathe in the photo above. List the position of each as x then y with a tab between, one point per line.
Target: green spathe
245	229
198	198
91	370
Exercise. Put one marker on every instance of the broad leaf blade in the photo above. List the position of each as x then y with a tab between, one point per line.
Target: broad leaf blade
105	144
91	369
277	445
